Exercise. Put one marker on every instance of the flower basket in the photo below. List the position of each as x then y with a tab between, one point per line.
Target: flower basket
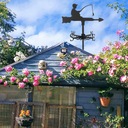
105	101
24	121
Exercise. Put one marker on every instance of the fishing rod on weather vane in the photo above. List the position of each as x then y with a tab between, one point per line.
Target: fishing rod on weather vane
87	6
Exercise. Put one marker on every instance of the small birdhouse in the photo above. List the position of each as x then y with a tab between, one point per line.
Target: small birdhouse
42	65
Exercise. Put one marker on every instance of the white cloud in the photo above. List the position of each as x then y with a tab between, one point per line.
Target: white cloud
29	30
30	11
47	38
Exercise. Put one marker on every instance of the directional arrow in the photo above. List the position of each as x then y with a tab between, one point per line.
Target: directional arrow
69	19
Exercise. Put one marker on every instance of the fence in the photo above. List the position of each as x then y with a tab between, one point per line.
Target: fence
45	115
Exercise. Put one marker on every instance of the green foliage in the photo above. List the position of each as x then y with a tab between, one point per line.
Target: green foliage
123	11
112	121
7	22
20	49
105	92
12	49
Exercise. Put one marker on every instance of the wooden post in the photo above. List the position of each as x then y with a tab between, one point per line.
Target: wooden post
119	114
30	99
60	111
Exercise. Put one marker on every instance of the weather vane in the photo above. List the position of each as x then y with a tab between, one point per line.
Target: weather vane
75	16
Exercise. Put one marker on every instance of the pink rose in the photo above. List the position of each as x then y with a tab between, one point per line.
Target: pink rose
25	79
35	83
123	79
49	73
78	66
5	83
119	32
21	84
63	63
49	79
111	72
104	60
104	49
36	77
55	76
12	79
41	71
8	68
96	57
126	58
90	57
74	60
70	67
25	71
62	71
98	69
117	45
1	80
90	73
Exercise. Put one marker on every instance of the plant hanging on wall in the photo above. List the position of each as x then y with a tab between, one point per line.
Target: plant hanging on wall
24	119
105	96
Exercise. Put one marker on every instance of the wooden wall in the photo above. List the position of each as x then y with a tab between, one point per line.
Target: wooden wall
84	97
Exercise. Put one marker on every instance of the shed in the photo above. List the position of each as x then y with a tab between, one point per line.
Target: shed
62	104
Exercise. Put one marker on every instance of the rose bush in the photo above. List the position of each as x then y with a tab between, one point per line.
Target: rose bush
110	65
26	78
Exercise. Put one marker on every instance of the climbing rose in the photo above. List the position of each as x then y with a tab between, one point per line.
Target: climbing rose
35	83
55	76
8	68
117	45
126	58
49	73
90	73
62	71
21	84
96	57
63	63
25	79
123	78
119	32
1	80
50	79
41	71
104	49
12	79
78	66
25	71
74	60
98	69
36	77
5	83
111	72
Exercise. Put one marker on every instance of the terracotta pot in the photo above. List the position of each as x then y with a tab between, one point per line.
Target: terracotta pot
105	101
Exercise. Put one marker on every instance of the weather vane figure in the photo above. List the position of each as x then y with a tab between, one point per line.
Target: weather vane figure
74	13
75	16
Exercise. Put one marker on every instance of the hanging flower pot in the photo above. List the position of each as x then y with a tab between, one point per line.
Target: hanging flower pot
105	96
105	101
24	121
24	118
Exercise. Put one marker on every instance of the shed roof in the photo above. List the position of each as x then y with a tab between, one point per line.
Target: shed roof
50	57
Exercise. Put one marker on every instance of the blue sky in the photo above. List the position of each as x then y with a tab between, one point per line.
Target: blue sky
42	22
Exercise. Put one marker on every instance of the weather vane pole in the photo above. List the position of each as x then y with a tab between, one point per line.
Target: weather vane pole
75	16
